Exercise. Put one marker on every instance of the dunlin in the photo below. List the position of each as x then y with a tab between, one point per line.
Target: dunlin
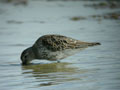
53	48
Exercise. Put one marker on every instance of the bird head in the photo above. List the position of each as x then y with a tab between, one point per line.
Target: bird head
27	56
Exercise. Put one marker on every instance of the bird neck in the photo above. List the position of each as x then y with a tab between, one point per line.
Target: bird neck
34	51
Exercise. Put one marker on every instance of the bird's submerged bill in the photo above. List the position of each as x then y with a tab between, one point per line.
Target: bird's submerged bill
53	48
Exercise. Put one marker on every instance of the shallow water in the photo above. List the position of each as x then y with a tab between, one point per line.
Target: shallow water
95	68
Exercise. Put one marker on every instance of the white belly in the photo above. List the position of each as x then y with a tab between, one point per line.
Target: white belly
62	54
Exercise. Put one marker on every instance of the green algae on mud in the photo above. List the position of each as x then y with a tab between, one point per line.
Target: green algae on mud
105	4
77	18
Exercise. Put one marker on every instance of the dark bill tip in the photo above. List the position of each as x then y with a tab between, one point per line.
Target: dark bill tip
25	63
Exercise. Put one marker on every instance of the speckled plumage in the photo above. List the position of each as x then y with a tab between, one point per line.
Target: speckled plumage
54	47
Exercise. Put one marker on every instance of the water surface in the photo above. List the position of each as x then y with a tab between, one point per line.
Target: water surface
95	68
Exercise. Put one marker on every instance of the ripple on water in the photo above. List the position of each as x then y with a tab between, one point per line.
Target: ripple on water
53	73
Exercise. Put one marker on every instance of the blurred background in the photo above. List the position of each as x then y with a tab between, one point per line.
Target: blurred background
22	22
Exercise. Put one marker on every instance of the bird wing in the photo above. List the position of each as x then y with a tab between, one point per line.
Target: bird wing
59	42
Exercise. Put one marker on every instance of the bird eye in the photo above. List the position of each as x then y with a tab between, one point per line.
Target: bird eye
25	56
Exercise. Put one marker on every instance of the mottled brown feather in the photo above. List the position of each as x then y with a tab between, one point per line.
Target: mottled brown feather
59	42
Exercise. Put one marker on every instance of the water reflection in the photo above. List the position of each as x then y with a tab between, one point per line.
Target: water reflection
49	68
51	74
